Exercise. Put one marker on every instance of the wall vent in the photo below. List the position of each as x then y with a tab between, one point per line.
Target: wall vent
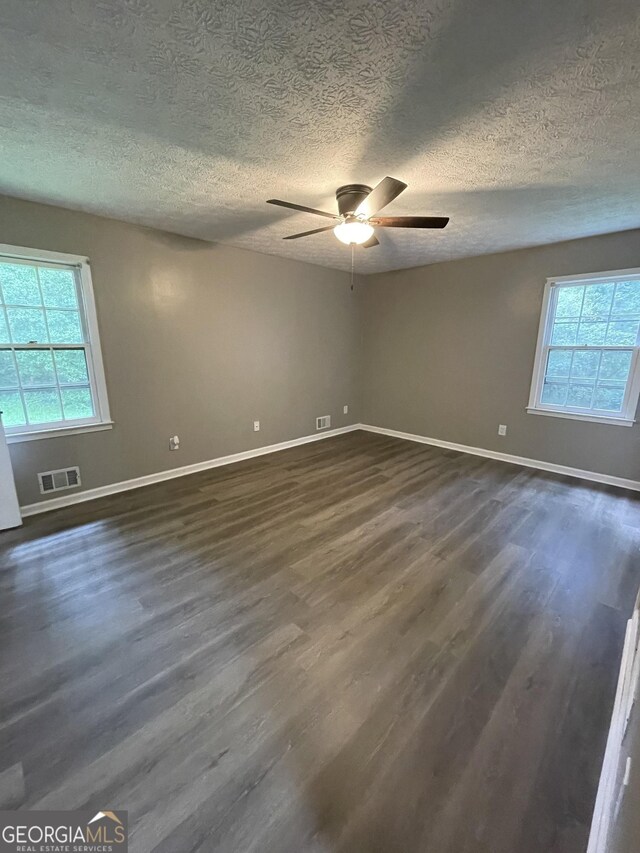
55	481
324	422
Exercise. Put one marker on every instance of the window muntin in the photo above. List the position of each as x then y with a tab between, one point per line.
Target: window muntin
47	366
586	362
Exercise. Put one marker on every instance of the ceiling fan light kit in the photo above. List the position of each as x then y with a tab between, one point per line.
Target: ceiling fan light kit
358	205
353	231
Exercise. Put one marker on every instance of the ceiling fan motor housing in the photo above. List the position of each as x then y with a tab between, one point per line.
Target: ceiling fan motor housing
349	197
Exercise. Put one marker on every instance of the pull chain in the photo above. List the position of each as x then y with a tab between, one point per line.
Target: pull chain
353	252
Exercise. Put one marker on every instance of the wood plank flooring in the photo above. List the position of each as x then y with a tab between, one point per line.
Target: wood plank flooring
361	644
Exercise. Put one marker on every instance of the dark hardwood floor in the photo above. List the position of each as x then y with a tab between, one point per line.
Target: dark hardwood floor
361	644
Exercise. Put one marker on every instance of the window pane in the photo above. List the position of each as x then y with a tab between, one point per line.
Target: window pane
45	372
580	395
569	301
26	325
591	334
615	365
564	334
19	284
58	288
77	403
583	370
8	374
609	398
36	367
64	327
622	334
554	393
559	363
627	298
11	408
71	365
43	406
597	301
585	365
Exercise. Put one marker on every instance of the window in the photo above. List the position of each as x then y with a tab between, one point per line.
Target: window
51	373
587	357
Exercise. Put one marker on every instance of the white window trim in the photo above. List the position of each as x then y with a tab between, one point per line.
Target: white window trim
630	405
102	419
57	432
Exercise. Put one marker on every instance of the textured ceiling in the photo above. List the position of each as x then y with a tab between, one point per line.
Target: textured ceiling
519	119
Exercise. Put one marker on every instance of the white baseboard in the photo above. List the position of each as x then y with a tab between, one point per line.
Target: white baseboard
172	473
161	476
592	476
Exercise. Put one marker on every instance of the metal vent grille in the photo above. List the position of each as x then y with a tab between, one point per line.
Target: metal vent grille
46	482
323	422
56	481
73	477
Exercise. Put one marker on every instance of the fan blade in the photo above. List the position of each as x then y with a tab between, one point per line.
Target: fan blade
372	241
410	221
380	196
302	208
306	233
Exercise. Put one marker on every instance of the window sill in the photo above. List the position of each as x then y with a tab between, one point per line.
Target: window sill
596	419
58	432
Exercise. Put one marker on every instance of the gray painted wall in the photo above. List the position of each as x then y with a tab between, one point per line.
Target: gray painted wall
448	353
199	340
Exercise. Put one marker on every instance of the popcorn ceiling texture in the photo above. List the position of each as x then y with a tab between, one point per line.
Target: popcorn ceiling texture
520	120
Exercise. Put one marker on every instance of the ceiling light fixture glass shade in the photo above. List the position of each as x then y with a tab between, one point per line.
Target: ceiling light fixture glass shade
353	232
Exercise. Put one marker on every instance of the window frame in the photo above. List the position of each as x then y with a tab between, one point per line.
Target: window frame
627	416
91	345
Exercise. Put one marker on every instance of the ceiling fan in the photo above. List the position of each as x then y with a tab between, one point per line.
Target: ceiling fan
358	206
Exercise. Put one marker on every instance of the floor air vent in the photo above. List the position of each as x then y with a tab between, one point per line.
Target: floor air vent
55	481
324	422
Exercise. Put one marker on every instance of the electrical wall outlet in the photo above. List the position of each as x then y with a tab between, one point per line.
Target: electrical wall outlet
345	410
174	443
502	429
256	426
